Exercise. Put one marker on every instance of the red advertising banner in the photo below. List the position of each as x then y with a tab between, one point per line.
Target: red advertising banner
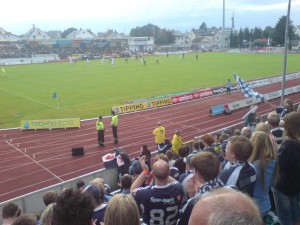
192	96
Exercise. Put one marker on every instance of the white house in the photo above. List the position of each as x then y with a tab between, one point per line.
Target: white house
140	43
7	36
82	34
36	34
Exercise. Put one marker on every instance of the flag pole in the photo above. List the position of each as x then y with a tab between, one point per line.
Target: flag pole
286	42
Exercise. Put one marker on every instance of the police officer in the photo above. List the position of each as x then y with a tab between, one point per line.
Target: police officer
101	129
114	126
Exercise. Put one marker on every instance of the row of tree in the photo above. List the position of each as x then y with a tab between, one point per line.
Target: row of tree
263	37
273	36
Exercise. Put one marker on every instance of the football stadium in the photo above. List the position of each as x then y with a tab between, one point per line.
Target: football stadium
89	122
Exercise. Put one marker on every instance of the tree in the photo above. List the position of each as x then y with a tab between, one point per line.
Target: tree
161	36
241	38
257	33
247	35
68	31
268	32
279	31
203	26
233	40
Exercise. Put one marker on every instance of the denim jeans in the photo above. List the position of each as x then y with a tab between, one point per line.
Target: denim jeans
288	208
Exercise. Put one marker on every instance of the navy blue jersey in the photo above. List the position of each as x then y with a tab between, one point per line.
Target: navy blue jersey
278	134
241	175
160	204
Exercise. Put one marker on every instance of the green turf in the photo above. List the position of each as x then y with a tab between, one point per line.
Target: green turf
88	90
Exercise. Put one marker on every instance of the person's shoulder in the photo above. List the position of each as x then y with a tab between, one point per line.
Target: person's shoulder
289	145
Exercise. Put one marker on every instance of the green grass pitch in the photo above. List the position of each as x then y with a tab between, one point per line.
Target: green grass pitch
89	90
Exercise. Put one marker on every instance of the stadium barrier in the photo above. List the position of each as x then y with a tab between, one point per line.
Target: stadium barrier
175	98
33	202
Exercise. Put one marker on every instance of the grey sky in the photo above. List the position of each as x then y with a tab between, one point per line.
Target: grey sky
18	16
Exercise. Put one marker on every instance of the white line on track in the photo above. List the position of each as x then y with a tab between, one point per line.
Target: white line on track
34	161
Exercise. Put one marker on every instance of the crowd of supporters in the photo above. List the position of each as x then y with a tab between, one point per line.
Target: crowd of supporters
63	51
249	176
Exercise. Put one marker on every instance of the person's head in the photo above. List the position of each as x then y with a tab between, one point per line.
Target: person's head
11	212
113	113
263	151
216	136
291	125
263	148
223	137
262	127
100	117
206	165
80	184
189	162
26	219
273	119
99	183
96	194
183	151
224	206
237	132
167	142
161	170
169	154
246	132
46	217
50	197
288	104
208	139
158	124
135	168
122	209
163	157
126	181
238	148
196	145
178	133
73	208
144	150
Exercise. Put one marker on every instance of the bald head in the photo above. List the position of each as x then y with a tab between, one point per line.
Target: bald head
246	131
225	206
161	170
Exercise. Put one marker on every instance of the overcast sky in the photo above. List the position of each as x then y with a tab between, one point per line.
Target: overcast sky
18	16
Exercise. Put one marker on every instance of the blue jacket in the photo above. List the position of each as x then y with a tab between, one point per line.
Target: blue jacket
261	192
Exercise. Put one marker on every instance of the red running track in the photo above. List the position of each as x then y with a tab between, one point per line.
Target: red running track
31	160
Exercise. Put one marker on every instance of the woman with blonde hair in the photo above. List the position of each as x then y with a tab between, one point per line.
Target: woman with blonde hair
122	209
264	159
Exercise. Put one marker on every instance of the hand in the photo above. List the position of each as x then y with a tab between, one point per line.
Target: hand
94	222
190	188
193	186
143	164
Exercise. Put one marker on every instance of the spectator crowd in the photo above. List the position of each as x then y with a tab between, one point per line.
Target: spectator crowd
249	176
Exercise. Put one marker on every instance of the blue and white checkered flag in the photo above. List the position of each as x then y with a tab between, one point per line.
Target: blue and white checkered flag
247	91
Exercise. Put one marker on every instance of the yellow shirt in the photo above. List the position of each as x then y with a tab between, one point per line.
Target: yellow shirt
176	143
159	134
114	120
100	125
